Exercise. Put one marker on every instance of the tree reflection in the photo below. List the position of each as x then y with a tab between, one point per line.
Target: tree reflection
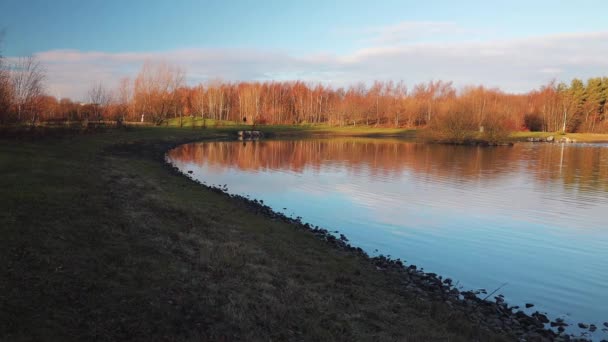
578	167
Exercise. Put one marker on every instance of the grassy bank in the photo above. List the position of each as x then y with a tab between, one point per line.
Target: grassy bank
296	130
101	240
371	131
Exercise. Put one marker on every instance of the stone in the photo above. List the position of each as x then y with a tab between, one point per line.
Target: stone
583	326
606	324
550	139
529	305
540	317
592	328
559	322
496	322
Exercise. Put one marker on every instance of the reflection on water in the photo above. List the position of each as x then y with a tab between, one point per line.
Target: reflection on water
532	215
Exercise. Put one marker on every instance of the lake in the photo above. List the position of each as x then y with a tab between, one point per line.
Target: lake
533	216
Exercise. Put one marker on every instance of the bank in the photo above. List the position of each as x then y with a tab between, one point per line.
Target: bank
102	240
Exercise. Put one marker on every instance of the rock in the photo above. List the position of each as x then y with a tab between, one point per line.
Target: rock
565	140
592	328
583	326
606	324
533	336
540	317
529	305
559	323
189	171
550	139
496	322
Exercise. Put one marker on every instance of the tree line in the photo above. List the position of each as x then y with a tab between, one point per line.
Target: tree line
159	92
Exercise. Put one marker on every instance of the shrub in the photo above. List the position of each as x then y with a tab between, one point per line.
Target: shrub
533	122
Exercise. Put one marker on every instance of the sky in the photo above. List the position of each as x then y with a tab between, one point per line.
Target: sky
514	45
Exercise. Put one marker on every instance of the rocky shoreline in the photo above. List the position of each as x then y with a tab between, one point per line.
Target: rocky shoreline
492	314
552	139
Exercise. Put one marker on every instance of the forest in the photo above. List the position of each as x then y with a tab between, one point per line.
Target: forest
160	92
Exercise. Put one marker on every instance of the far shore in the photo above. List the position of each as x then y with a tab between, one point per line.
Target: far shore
322	130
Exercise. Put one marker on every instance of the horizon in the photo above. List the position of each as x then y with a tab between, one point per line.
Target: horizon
516	47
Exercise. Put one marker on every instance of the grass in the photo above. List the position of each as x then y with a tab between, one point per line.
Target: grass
199	122
99	240
290	130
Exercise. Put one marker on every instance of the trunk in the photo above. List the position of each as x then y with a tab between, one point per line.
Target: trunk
564	125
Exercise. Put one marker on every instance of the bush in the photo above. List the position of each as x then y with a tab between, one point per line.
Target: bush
454	127
495	129
533	122
460	127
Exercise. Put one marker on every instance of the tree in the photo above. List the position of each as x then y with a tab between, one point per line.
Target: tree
155	88
5	87
198	102
99	98
27	79
125	97
595	100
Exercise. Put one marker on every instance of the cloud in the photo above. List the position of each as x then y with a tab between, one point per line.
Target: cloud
408	31
513	65
550	70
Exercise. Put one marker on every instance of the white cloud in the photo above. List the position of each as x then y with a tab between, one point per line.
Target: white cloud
551	70
412	31
513	65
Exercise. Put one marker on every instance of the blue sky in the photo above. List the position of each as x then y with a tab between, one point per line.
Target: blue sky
337	42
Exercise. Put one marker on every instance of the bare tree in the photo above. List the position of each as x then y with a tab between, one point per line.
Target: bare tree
155	86
177	81
27	78
125	95
100	98
5	86
198	102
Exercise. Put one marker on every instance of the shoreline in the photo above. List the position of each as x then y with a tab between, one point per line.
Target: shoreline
497	315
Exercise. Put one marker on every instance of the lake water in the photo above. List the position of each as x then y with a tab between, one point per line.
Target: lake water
534	216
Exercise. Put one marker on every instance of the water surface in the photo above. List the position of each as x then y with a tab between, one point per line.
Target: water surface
534	216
